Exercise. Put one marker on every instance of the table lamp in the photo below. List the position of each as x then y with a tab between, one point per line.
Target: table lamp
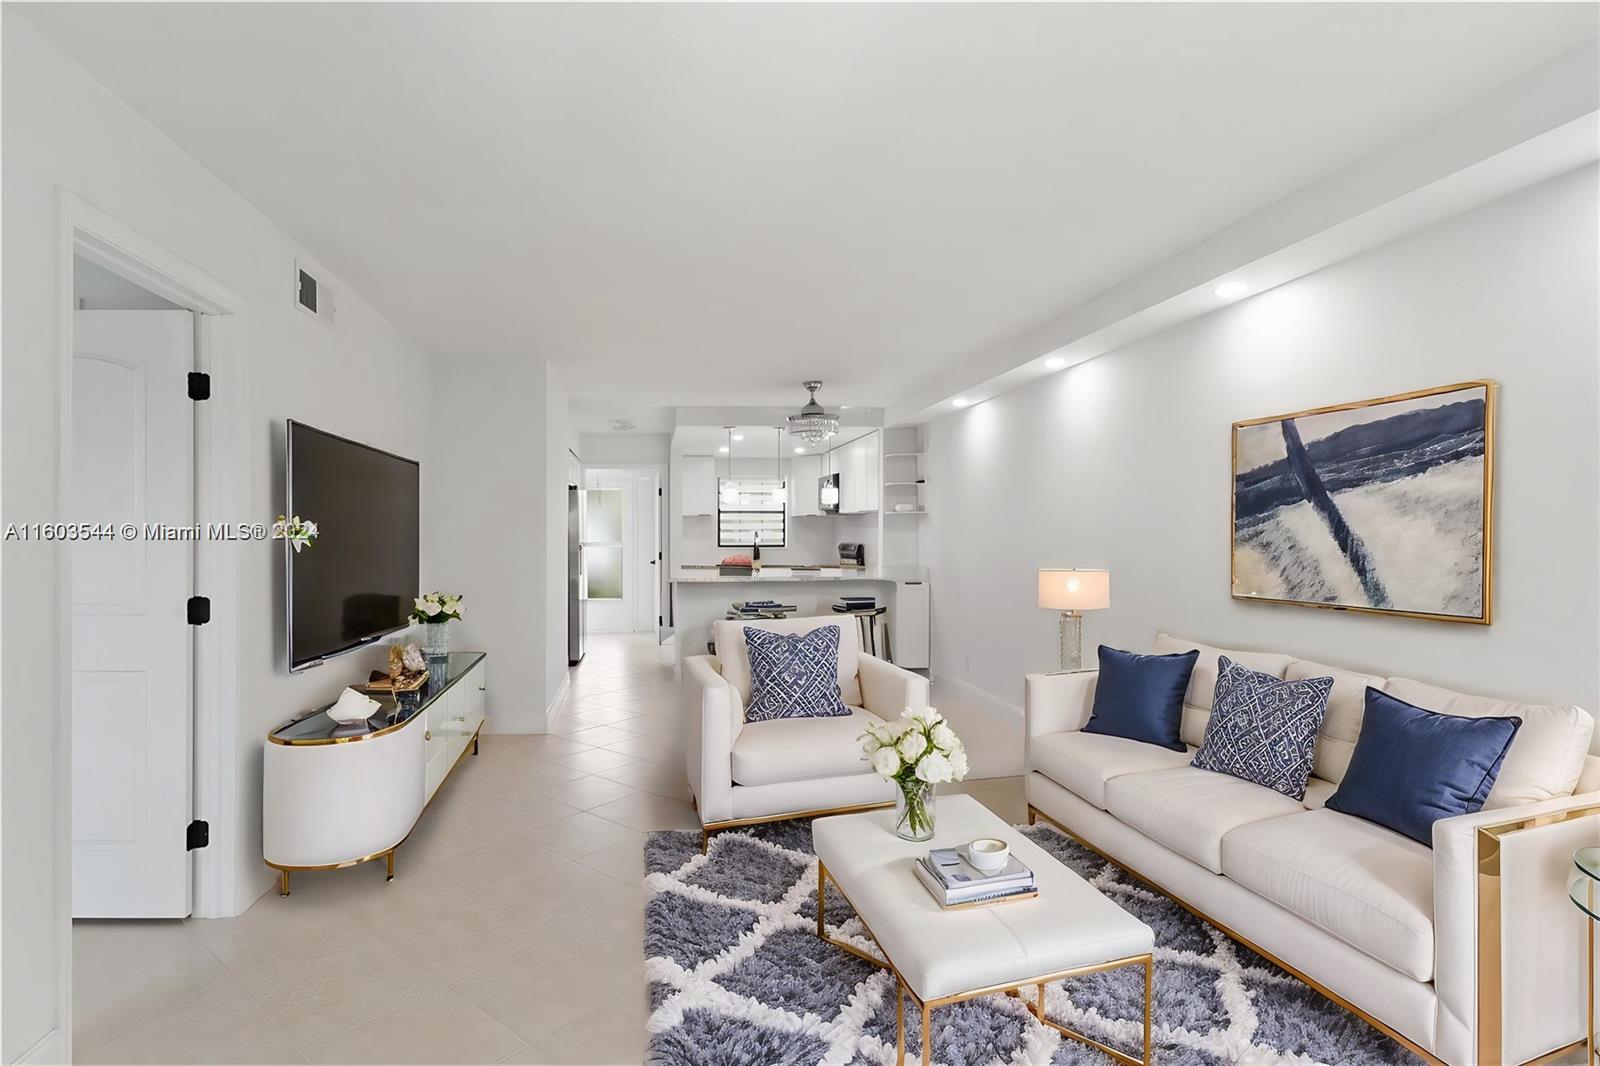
1072	592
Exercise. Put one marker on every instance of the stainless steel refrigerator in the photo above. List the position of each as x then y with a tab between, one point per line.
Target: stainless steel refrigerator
577	594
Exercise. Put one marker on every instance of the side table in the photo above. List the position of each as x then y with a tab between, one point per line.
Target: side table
1584	889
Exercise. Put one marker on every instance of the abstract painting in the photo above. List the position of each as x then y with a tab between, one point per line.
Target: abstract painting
1382	505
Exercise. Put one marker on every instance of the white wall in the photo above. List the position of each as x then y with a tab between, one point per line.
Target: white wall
499	462
1123	462
362	379
625	449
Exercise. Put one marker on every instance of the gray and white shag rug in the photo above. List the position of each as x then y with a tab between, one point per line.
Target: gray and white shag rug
738	977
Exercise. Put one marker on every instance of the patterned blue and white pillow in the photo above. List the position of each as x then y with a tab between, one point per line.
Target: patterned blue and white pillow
1262	728
794	675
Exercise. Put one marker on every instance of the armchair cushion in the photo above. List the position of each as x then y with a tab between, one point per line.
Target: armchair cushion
728	636
793	749
1084	762
1368	886
793	675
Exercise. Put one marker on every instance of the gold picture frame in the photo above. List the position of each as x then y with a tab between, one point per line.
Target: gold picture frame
1366	460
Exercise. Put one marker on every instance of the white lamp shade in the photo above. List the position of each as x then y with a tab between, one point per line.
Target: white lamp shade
1074	590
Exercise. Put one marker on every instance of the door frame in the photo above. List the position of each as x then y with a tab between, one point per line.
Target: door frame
221	474
657	474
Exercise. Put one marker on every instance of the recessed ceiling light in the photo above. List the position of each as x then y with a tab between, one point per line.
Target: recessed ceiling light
723	449
738	436
961	401
1055	362
799	451
1232	290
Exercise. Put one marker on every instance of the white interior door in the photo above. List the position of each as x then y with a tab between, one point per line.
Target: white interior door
132	462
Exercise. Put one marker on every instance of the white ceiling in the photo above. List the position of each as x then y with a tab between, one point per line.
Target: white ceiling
686	204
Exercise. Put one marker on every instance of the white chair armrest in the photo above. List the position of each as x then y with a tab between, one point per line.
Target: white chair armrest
1058	703
1504	872
887	689
716	715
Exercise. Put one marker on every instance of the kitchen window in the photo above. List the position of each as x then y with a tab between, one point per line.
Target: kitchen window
747	506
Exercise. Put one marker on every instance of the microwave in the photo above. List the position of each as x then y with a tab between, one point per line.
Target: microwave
828	493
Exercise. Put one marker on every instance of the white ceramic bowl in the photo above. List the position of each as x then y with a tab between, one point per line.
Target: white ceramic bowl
988	854
904	507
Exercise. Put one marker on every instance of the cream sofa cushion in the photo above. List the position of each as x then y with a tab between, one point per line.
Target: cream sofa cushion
1191	810
1203	681
1084	762
1545	757
734	657
1336	740
1366	885
1317	793
793	749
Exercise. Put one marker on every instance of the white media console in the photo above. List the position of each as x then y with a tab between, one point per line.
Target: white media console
338	795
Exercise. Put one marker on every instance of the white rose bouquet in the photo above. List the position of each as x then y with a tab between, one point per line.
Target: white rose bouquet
917	752
436	607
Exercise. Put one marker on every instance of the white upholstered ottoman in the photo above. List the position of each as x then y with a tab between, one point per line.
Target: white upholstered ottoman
945	956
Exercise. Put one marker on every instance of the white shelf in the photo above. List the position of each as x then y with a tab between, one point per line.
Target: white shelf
918	511
902	455
893	484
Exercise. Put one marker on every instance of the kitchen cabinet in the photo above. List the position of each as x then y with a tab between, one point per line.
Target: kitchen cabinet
697	485
804	473
857	466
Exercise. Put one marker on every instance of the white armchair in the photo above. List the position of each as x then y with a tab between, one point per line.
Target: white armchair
743	773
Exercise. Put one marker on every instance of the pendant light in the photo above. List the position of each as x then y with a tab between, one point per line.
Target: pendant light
728	494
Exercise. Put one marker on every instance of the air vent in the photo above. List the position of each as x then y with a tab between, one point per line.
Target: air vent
312	296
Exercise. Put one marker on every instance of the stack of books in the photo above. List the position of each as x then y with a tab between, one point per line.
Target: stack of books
847	604
760	609
953	881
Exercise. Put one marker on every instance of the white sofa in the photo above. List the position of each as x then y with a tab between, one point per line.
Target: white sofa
748	772
1375	920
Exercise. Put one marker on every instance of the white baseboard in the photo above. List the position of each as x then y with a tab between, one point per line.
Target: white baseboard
988	700
560	694
50	1048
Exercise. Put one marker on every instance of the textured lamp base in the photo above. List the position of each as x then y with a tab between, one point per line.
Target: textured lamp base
1071	642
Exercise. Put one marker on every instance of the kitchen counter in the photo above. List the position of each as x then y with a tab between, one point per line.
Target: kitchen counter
702	596
710	576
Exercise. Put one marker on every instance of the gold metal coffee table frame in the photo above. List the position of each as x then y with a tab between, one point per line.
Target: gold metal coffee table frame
1035	1005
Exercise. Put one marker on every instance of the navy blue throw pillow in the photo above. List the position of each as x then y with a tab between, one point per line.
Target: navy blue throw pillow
1140	697
794	675
1413	766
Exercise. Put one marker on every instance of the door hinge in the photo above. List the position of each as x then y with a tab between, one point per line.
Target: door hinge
658	492
199	610
199	834
199	385
660	621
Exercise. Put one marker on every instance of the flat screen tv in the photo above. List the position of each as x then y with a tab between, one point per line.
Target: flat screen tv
355	582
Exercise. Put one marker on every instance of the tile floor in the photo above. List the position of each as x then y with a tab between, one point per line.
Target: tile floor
511	933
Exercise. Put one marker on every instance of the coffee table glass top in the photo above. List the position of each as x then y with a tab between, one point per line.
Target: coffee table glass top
1584	886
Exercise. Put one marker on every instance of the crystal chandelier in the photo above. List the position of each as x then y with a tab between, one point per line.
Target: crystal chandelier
813	425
